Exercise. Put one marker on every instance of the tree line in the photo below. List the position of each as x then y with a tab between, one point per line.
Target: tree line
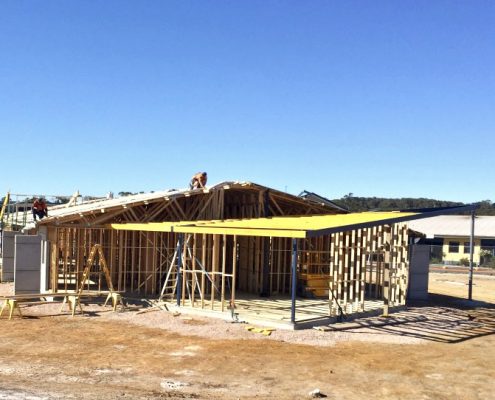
354	203
359	204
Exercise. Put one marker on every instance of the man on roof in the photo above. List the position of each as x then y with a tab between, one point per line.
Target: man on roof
198	181
39	208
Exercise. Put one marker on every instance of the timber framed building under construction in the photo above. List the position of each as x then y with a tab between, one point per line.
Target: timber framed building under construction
236	246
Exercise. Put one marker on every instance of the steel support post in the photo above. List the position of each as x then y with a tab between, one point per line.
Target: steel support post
179	268
471	263
294	281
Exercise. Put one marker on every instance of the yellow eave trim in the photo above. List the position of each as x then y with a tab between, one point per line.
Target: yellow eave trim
221	230
147	226
289	227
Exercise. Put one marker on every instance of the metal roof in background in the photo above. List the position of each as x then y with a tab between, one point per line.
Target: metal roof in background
290	227
455	225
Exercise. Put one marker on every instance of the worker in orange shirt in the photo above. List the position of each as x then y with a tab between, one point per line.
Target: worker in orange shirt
198	180
39	208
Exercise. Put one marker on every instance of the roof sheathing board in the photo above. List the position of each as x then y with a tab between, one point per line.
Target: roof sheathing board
293	227
289	227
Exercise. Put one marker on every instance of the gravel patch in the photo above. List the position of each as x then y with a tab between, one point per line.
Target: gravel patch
217	329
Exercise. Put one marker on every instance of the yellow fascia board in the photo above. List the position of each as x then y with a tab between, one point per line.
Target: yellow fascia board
209	229
219	229
147	226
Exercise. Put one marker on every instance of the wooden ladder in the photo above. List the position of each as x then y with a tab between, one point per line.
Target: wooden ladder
96	250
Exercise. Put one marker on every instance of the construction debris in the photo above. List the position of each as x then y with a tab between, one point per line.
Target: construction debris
263	331
316	394
155	305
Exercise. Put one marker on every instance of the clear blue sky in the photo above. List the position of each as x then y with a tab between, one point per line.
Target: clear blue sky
377	98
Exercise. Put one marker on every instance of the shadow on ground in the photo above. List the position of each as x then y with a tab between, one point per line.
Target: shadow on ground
442	319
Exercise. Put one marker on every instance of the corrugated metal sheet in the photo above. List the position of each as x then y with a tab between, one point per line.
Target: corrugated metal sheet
455	225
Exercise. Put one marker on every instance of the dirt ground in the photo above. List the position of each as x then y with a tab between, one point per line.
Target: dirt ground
446	351
452	284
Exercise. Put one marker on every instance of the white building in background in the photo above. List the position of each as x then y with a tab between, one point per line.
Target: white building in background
454	233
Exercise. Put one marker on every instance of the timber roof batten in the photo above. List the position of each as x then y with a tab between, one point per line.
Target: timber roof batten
230	199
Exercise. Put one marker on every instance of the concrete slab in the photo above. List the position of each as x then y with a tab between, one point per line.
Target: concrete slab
274	311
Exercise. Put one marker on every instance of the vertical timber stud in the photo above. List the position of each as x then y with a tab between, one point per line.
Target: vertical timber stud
265	290
234	267
294	281
179	268
471	264
387	245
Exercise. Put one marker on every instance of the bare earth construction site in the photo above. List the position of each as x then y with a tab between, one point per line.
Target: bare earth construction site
237	200
445	352
236	291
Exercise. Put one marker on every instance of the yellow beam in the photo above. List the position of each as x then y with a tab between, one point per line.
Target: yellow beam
213	229
147	226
